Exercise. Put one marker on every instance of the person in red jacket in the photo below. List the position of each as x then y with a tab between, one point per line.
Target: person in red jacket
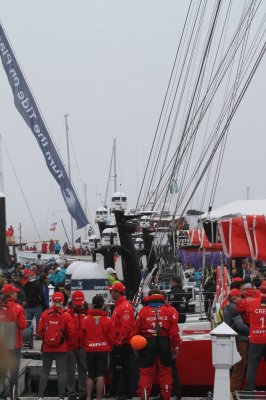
12	312
249	293
97	336
76	358
56	331
123	320
44	247
256	309
158	324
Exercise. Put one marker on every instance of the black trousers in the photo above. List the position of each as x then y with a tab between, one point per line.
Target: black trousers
120	364
157	346
176	383
14	373
255	353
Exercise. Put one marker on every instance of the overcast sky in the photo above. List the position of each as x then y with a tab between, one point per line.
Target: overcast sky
107	64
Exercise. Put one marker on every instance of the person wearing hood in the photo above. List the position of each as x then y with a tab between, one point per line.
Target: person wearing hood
59	280
12	312
112	276
233	318
34	298
158	324
52	274
56	331
97	337
123	321
249	291
76	358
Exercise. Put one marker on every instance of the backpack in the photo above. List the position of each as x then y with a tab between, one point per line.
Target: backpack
53	334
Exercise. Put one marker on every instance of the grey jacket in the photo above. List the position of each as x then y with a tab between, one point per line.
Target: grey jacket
234	319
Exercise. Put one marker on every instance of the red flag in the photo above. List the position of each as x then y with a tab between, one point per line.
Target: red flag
53	226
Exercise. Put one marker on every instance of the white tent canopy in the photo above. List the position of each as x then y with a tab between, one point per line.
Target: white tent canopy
237	208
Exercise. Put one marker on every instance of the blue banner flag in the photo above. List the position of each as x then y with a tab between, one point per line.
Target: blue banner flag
28	109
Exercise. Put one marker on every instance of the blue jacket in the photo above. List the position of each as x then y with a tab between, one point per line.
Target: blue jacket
60	277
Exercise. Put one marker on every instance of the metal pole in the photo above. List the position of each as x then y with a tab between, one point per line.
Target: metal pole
203	268
19	228
69	174
65	231
115	175
248	188
85	194
2	229
2	189
109	176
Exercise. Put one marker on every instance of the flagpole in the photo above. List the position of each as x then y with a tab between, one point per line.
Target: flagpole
69	175
85	194
19	228
65	231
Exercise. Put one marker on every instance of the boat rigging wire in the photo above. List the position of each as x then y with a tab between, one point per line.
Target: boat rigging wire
21	189
197	36
224	141
217	79
164	101
243	91
251	58
193	29
238	44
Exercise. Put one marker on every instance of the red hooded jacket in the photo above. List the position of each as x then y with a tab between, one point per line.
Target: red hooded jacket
257	314
123	321
249	295
14	312
78	315
67	327
159	320
97	331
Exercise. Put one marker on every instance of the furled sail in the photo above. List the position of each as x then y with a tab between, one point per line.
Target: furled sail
28	109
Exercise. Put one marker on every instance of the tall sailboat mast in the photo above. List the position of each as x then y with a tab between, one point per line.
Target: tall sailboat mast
69	173
1	168
85	195
115	174
112	164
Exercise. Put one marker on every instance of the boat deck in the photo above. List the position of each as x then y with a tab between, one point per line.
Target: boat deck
29	375
256	395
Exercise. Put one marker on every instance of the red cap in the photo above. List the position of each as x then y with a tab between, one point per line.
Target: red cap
263	287
7	289
78	298
58	297
234	292
237	279
118	286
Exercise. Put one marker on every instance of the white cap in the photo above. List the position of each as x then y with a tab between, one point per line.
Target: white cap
61	261
110	271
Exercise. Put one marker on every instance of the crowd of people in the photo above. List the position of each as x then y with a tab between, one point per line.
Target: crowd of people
244	310
54	247
84	337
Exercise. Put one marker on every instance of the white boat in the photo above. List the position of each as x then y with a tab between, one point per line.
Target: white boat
29	256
